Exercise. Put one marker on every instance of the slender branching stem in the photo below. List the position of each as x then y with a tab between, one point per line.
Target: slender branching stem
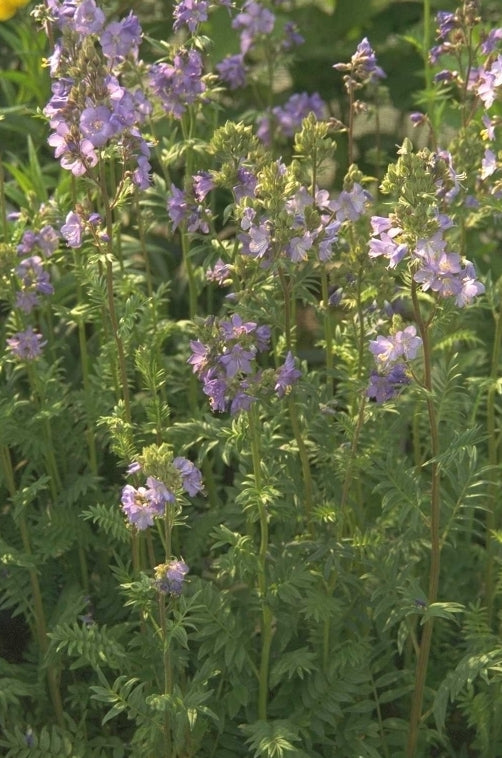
328	332
493	439
168	675
266	612
304	460
3	205
435	548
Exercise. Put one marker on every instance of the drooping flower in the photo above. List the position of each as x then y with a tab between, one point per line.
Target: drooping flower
384	387
170	577
191	477
88	18
26	345
287	375
72	230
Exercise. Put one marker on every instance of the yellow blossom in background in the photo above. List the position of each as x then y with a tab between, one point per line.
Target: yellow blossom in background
9	7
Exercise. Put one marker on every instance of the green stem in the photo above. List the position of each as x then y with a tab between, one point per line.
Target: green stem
304	460
112	313
435	550
493	461
168	674
288	321
429	89
266	618
3	207
50	458
328	332
349	473
84	363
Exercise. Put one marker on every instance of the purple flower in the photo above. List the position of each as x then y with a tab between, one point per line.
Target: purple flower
488	164
88	18
33	276
178	84
254	20
26	345
199	357
169	577
237	360
388	350
287	375
490	42
299	246
219	273
182	209
386	246
287	119
190	475
137	506
232	71
236	327
292	38
48	240
26	300
28	241
77	155
470	286
159	495
384	387
417	118
121	38
259	240
215	388
96	126
141	174
241	401
362	67
446	22
72	230
350	205
247	183
203	183
190	13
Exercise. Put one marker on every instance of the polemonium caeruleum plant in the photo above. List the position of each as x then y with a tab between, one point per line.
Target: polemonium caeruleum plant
249	393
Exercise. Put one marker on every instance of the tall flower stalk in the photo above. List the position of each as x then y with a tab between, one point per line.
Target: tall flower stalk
434	521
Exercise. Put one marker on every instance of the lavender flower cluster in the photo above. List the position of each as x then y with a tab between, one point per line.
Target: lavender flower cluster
391	355
313	224
362	67
434	268
226	364
90	108
141	505
33	280
186	207
457	32
255	23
